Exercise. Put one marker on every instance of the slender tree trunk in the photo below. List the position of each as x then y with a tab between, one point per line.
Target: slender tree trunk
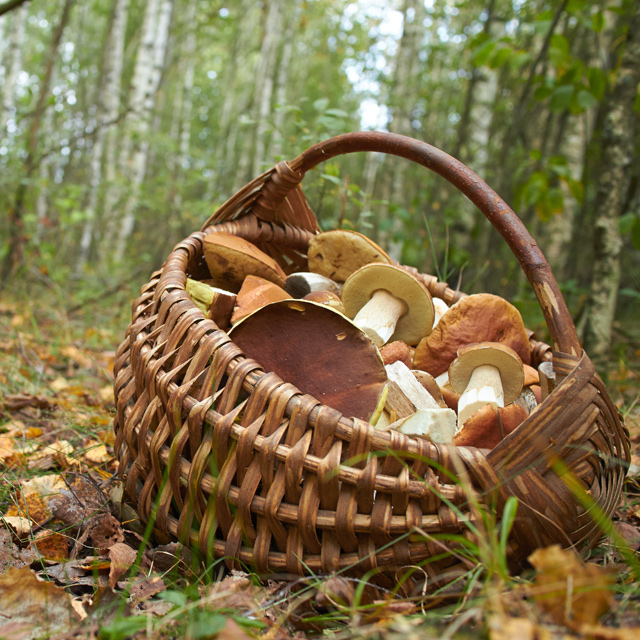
403	103
149	73
108	106
264	81
42	201
612	191
13	56
16	214
282	81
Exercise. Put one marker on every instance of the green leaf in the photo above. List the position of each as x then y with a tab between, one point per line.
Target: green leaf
483	54
626	222
543	92
597	82
561	98
535	154
206	625
500	57
336	113
630	293
586	99
576	188
559	51
519	59
175	597
321	104
332	179
597	21
123	628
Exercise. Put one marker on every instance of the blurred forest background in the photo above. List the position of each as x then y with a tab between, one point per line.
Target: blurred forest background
125	123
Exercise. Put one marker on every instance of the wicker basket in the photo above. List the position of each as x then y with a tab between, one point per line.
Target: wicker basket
229	459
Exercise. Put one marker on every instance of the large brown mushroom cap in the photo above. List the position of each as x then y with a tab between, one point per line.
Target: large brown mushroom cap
319	351
231	258
361	285
482	317
488	426
337	254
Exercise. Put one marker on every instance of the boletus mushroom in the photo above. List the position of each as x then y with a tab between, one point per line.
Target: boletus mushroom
482	317
387	302
319	351
231	259
485	373
337	254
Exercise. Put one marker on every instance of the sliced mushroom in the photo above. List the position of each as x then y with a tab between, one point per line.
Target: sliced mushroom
216	303
231	258
482	317
440	307
337	254
387	302
319	351
485	373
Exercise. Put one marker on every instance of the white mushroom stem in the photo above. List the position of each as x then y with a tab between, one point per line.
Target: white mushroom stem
379	317
485	387
440	307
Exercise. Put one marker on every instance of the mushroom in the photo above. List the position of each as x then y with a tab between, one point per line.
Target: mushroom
254	294
481	317
318	350
301	283
416	411
231	258
440	307
487	426
485	373
397	350
431	386
328	298
387	302
337	254
216	303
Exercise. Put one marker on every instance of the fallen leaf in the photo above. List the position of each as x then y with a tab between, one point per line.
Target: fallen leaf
51	545
77	503
502	627
571	592
23	400
106	532
22	526
233	631
45	608
32	506
145	588
59	384
106	395
96	452
122	557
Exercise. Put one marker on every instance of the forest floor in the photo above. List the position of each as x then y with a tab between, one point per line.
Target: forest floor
74	562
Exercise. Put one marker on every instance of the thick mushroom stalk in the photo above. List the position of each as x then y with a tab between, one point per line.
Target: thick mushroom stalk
485	387
485	373
387	302
379	317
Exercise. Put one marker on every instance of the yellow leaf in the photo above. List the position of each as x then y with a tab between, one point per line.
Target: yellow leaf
52	545
96	452
571	592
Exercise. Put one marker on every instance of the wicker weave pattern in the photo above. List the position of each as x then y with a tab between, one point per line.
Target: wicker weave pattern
244	466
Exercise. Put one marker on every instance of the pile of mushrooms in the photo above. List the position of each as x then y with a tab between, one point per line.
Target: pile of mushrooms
365	337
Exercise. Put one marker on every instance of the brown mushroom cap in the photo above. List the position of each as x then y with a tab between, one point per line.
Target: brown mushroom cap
482	428
319	351
256	293
394	351
482	317
337	254
231	258
361	285
503	358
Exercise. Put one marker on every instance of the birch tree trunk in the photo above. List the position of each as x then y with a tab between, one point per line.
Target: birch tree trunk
108	105
612	191
16	215
42	201
264	80
282	82
13	65
147	77
403	102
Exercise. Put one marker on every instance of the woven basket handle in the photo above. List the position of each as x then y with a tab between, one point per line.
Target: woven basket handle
496	210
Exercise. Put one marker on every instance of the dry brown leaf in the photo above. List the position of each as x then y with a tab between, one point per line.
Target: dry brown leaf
122	557
52	545
571	592
106	532
21	526
45	608
23	400
31	506
106	395
145	588
607	633
77	503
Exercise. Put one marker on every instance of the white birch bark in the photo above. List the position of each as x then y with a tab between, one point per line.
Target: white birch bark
149	74
42	201
13	56
282	82
108	105
264	81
